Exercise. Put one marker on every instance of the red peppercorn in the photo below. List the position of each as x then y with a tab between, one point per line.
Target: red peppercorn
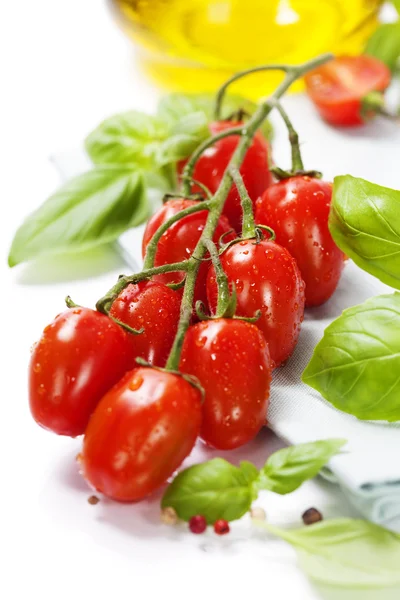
221	527
198	524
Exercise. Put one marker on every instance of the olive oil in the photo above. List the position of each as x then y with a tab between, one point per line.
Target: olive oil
194	45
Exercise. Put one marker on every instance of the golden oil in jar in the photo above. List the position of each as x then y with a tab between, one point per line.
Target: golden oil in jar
194	45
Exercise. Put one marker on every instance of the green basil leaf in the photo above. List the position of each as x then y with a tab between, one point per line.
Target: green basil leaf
288	468
215	489
90	209
396	4
346	552
185	136
132	137
356	365
365	223
195	124
176	148
385	44
249	471
173	107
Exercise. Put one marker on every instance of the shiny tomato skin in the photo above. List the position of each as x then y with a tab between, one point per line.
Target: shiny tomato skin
297	209
154	307
338	87
80	355
266	278
211	167
180	240
231	360
140	433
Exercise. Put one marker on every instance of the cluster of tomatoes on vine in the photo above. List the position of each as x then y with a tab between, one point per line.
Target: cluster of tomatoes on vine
141	421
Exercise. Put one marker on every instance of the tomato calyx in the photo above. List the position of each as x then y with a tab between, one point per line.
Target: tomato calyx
194	382
173	196
282	174
70	303
373	104
238	115
297	167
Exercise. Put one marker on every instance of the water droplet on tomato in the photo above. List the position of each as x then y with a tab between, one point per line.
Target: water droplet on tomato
136	382
41	389
239	285
213	356
37	368
201	341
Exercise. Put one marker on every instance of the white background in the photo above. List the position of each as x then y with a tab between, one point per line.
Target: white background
64	67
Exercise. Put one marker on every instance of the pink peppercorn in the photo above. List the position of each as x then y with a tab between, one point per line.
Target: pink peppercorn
221	527
198	524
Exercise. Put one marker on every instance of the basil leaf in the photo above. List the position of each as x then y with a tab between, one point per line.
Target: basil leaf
249	471
131	137
365	223
346	552
173	107
288	468
177	147
215	489
396	4
90	209
385	44
356	365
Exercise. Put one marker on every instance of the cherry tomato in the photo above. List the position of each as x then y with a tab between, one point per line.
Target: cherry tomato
140	433
338	87
154	307
80	355
231	360
211	167
180	240
297	209
266	278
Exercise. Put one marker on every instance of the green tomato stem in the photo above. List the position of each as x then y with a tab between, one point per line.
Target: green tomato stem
152	246
221	278
104	304
297	161
248	225
189	167
288	69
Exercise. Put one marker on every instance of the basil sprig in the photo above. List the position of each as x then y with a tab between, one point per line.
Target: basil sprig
132	153
349	553
364	222
219	490
91	209
356	365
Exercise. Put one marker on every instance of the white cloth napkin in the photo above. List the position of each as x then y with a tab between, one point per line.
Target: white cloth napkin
369	469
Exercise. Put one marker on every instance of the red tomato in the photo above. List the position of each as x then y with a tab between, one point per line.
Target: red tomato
231	360
338	87
154	307
180	240
211	167
80	355
140	433
266	277
297	209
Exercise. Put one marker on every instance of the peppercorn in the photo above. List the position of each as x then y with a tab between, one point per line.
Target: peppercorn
311	515
197	524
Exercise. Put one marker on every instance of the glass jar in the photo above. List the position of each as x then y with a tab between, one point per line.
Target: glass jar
194	45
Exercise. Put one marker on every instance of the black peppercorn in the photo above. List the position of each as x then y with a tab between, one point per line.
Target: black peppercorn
311	515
